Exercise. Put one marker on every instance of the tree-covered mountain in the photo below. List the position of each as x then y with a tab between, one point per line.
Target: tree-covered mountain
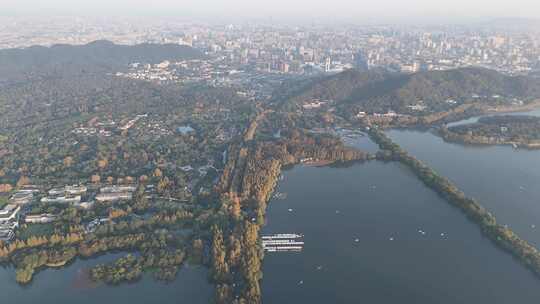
337	87
98	56
379	91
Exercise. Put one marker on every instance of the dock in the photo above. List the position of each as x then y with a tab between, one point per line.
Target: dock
282	236
284	242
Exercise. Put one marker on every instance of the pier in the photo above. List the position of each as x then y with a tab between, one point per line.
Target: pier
283	242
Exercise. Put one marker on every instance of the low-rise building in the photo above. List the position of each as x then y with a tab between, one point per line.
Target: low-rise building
7	235
9	213
62	199
361	114
71	190
313	105
30	188
22	198
9	220
40	218
117	189
76	190
11	225
85	205
56	191
417	107
113	196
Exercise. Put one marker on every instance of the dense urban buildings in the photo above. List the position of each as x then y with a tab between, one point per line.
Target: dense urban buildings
294	49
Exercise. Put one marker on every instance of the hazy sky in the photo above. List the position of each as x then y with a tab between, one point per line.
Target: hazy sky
304	9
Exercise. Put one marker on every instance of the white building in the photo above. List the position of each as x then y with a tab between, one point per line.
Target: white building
61	199
361	114
40	218
117	189
113	196
313	105
71	190
9	213
417	107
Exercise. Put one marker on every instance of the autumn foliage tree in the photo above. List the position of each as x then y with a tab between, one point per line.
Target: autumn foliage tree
219	265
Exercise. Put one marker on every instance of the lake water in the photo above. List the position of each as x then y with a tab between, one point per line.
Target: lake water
350	215
71	285
504	180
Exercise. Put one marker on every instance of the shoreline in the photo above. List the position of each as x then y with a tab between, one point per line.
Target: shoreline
513	109
487	143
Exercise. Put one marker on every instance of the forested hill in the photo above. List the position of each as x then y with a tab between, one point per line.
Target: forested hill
96	56
378	91
338	87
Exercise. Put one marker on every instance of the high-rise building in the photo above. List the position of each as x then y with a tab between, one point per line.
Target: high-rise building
328	64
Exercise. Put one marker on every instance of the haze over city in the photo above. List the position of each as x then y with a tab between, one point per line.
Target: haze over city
280	9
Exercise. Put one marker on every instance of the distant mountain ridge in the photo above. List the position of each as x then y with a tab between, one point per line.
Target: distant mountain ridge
101	55
379	91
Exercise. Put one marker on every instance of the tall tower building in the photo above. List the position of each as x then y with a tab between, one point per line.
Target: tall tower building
328	64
